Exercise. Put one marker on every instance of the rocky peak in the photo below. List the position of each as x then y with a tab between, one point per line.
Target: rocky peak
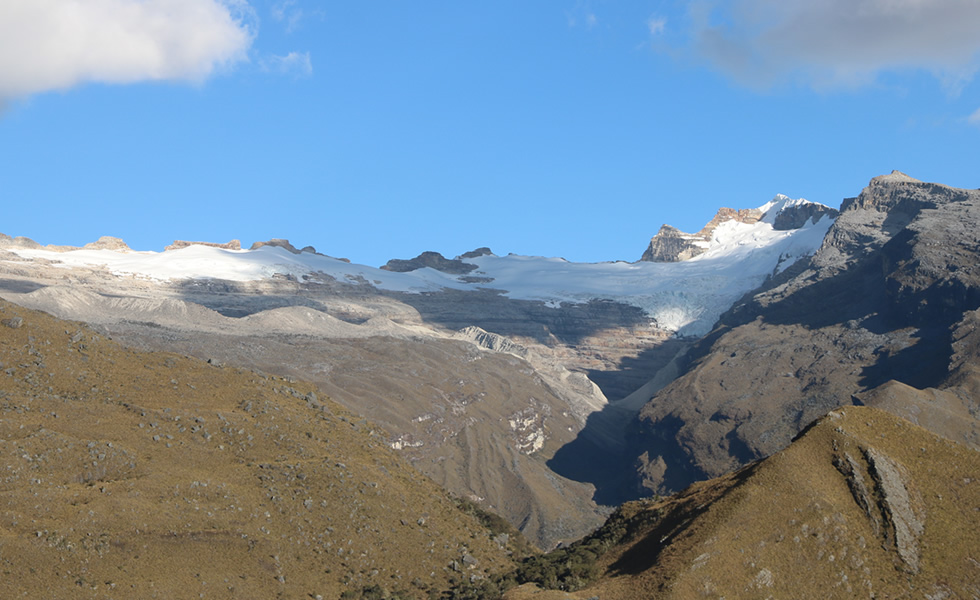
883	209
785	213
484	251
894	177
18	242
107	242
178	244
433	260
884	193
673	245
742	215
285	245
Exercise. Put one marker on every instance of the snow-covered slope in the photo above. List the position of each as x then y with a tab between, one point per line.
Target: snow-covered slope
685	297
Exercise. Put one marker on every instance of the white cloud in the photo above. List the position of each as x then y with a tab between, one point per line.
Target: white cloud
657	25
582	14
974	119
835	43
297	64
56	44
288	12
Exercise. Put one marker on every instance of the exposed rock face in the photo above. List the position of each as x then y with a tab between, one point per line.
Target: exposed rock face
18	242
433	260
673	245
897	273
897	506
797	215
484	251
105	242
178	244
284	244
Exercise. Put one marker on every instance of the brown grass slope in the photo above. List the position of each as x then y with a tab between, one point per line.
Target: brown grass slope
465	417
863	505
127	474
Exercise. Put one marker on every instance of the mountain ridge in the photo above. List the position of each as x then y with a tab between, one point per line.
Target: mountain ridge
587	333
878	301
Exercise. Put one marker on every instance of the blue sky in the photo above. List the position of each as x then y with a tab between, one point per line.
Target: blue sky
376	130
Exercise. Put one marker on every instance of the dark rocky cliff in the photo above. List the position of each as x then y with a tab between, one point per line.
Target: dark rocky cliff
896	275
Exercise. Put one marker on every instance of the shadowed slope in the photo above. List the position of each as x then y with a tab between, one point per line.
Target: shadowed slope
895	277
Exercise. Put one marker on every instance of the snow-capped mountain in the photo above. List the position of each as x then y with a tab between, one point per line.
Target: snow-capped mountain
479	368
684	297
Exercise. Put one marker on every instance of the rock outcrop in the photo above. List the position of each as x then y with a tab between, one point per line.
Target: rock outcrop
432	260
178	244
673	245
797	215
106	242
482	251
284	244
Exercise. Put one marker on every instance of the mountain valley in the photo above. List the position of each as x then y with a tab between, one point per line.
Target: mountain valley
784	400
480	374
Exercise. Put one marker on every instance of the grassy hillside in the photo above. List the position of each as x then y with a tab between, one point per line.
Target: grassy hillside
862	505
152	475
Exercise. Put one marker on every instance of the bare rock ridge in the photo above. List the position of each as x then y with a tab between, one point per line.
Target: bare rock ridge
178	244
105	242
284	244
877	308
482	251
673	245
432	260
797	215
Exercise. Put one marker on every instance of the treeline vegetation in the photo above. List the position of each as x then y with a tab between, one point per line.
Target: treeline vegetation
569	568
